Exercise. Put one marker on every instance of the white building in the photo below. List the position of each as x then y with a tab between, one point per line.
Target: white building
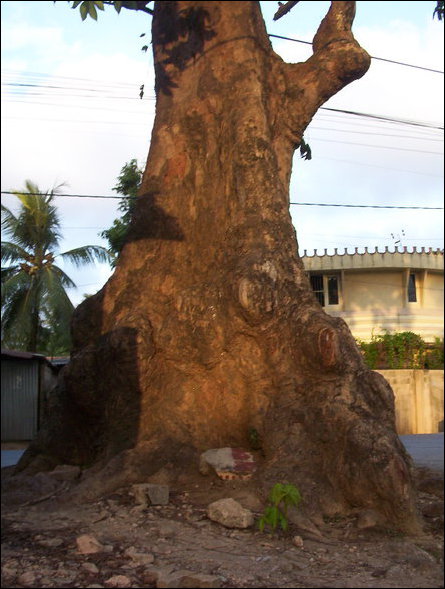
375	291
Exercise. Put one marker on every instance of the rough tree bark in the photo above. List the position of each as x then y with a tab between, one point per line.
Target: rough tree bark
208	326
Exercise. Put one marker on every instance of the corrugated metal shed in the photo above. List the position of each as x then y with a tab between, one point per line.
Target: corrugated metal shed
21	381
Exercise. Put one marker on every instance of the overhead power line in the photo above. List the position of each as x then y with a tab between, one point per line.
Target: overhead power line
382	118
418	67
319	204
152	98
70	195
313	204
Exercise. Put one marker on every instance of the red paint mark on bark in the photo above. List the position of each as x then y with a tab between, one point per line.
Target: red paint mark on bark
176	168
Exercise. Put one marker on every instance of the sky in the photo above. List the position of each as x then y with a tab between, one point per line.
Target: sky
71	114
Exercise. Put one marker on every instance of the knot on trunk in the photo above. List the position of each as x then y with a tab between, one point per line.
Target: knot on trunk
257	291
328	347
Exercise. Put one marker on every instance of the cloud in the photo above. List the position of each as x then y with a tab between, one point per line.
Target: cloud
24	36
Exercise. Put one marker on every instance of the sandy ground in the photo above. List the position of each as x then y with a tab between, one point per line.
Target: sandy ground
177	545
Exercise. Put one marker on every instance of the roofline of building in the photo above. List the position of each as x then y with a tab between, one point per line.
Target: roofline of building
366	250
22	355
399	258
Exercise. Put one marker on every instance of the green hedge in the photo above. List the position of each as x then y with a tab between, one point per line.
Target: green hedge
402	350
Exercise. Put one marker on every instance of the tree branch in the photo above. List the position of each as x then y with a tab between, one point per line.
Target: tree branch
139	6
336	25
337	60
284	9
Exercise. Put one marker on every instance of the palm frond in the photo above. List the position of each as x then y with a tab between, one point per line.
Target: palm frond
17	317
13	280
88	254
8	273
54	280
11	252
9	221
55	299
37	224
62	277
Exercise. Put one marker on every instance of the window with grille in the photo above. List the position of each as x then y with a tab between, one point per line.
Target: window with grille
325	288
412	293
318	287
332	290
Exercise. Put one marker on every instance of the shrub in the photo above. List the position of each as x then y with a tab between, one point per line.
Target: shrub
279	499
402	350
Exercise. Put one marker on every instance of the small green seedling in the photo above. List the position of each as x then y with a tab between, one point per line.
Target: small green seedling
279	499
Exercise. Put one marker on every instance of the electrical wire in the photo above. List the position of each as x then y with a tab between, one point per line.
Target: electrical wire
418	67
319	204
377	146
312	204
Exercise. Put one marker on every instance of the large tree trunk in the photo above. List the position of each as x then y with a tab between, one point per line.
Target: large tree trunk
208	327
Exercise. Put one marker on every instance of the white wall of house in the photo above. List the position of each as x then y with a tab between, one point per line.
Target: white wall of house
418	400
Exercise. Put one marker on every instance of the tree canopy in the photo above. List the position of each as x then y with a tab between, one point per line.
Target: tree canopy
129	181
36	309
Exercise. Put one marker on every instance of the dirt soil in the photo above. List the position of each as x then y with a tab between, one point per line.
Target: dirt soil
176	545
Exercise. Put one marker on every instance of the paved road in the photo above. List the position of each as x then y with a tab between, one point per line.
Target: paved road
426	450
10	457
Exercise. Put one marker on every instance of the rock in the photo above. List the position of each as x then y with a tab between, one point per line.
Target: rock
118	581
27	579
65	472
298	541
140	494
158	494
303	523
395	571
87	544
166	529
50	542
184	578
150	493
139	558
230	514
432	486
433	509
90	567
10	568
228	463
420	560
148	577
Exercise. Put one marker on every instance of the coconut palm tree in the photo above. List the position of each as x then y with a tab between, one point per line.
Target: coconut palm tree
35	304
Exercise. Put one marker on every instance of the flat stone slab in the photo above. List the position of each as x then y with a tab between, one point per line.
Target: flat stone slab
230	514
228	463
146	493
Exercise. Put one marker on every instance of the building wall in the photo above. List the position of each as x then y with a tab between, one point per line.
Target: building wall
375	301
373	290
363	326
419	400
19	405
26	379
434	293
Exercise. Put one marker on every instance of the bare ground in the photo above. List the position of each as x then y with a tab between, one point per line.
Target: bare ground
146	547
